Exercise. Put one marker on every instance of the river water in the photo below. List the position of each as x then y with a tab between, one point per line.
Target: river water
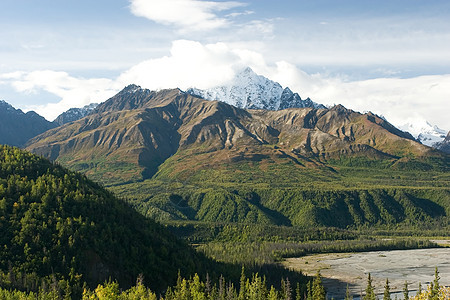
342	269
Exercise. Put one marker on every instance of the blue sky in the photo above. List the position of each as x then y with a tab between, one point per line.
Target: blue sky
391	57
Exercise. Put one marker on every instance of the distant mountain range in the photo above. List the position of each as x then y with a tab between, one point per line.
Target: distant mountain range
75	114
247	90
17	127
139	129
425	133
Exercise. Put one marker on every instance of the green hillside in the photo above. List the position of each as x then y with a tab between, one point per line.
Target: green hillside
285	194
57	227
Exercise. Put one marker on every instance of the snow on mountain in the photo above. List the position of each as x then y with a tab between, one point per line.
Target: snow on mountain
75	114
252	91
424	132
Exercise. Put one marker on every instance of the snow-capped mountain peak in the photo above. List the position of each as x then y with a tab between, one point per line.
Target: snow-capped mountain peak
252	91
75	114
424	132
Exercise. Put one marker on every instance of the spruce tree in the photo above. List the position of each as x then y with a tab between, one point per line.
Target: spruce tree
273	294
387	291
406	291
242	287
298	292
370	293
318	291
435	285
310	291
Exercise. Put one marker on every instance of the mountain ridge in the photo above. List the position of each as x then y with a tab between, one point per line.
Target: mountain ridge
146	127
17	127
178	157
74	114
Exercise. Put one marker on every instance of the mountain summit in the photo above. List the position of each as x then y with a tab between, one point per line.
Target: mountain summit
252	91
424	132
17	127
74	114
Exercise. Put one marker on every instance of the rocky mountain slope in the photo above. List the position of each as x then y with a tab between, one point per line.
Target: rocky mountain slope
444	146
177	156
74	114
17	127
251	91
137	130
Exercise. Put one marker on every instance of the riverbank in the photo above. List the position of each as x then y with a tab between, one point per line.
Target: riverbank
342	269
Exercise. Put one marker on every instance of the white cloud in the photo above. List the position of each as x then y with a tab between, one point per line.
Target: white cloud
73	92
237	14
423	97
192	64
184	14
204	66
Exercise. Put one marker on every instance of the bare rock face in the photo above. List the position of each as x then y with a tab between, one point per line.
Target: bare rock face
444	146
130	135
75	114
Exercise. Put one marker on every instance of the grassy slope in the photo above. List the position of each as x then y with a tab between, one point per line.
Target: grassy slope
348	192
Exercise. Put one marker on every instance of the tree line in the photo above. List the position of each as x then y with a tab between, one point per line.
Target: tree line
254	287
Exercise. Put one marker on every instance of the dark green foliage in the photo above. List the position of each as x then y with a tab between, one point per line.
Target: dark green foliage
261	253
254	287
370	293
59	227
399	207
194	288
405	291
200	232
318	291
387	291
435	285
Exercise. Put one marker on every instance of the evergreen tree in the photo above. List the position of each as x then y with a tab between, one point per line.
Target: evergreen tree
406	291
273	294
242	287
298	292
387	291
419	291
370	293
435	285
310	291
318	291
